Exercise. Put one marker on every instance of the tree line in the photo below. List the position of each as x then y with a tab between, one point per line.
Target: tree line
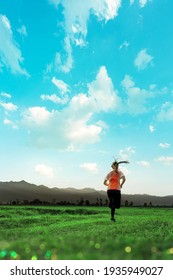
80	202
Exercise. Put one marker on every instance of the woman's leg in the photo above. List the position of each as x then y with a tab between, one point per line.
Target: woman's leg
111	204
112	213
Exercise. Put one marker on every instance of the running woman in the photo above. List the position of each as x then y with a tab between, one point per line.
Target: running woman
114	182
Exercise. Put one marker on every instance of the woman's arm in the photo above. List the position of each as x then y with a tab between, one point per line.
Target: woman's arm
106	183
122	181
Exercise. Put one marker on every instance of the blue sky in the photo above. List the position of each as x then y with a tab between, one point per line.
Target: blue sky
83	83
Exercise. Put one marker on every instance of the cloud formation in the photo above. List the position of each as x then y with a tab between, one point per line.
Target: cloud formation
22	31
44	170
143	59
125	45
5	94
9	106
10	53
90	166
142	3
164	145
73	126
125	154
143	163
137	98
167	160
63	87
64	62
76	17
151	128
10	123
55	99
63	90
166	112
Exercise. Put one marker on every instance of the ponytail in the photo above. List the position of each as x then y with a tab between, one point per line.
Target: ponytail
119	162
123	161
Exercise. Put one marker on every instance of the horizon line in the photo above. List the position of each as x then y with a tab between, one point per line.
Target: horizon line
75	188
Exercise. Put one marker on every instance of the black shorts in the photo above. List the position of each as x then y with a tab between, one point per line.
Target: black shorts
114	198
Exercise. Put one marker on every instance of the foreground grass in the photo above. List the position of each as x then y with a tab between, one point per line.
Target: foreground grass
54	232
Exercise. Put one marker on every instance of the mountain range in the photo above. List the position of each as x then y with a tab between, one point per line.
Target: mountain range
23	191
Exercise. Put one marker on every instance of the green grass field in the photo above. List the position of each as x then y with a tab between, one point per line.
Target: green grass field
85	233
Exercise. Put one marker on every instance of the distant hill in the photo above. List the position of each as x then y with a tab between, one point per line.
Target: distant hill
20	191
24	191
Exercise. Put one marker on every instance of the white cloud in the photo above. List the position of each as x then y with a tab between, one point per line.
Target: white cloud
143	60
136	97
73	126
143	163
44	170
125	45
10	123
63	87
103	94
90	166
166	112
77	13
64	62
22	31
10	53
142	3
125	154
105	9
131	2
81	132
6	22
60	130
128	82
164	145
152	128
63	90
152	86
36	116
167	160
76	17
102	124
6	95
9	106
101	97
54	98
55	2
